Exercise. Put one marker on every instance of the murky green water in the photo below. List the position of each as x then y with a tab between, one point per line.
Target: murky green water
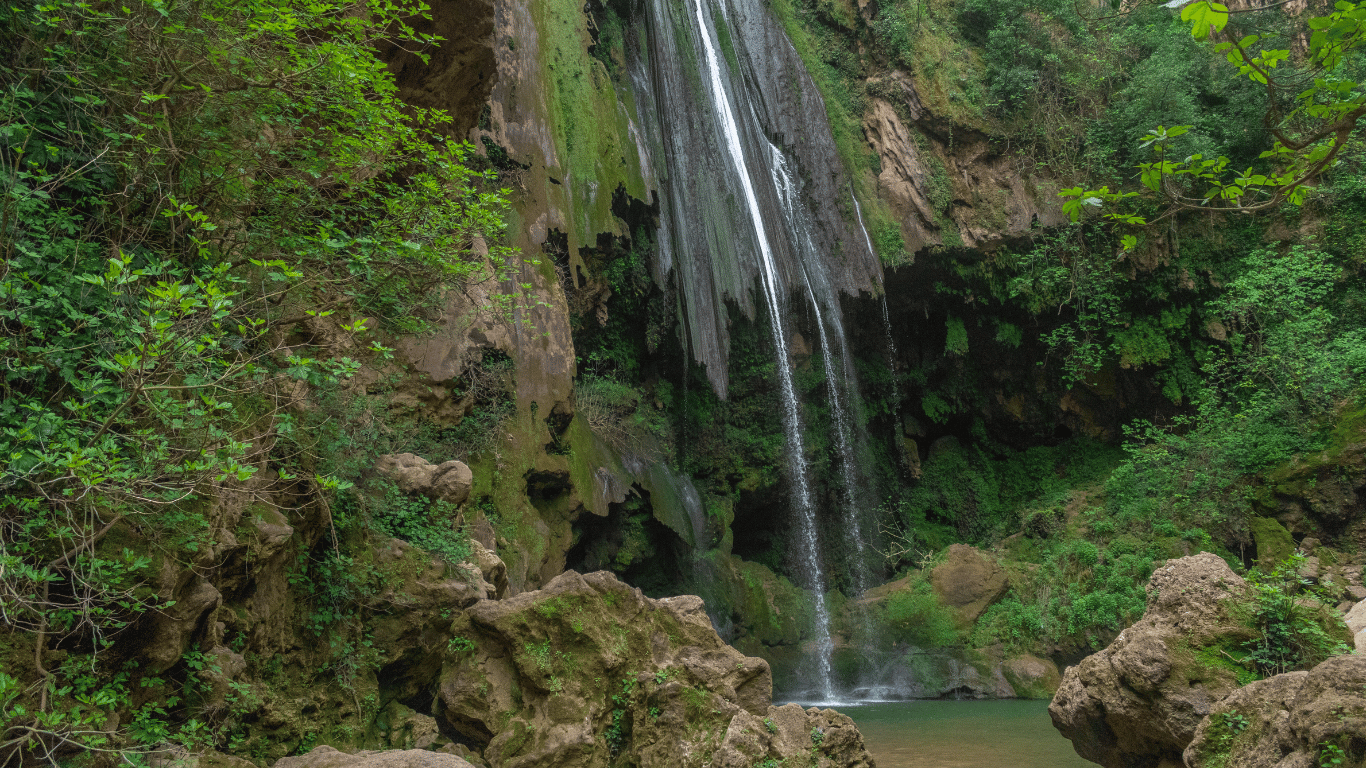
963	734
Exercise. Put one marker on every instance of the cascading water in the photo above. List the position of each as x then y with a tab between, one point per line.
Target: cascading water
737	112
841	383
772	289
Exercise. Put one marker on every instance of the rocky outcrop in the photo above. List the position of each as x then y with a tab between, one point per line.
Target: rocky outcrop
968	582
1273	541
588	670
946	184
449	481
1137	703
1355	619
1031	677
1293	720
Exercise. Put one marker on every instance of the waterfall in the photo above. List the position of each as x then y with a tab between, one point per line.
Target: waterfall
737	115
808	539
841	382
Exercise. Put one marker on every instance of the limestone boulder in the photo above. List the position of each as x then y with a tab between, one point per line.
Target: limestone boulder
1356	622
491	569
328	757
968	582
1031	677
448	481
791	732
1285	721
588	671
1137	703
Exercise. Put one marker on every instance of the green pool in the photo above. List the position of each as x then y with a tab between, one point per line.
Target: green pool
963	734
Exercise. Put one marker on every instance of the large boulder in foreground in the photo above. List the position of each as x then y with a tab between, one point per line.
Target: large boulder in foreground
588	671
1293	720
1137	703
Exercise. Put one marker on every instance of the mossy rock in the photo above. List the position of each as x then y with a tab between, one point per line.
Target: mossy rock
1032	677
1274	543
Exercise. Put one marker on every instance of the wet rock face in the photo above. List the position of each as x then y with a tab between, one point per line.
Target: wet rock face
1138	703
1288	720
587	671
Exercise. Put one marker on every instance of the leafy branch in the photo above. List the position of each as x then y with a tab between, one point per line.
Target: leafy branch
1312	111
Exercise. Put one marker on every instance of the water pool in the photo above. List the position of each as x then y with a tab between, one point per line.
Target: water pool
963	734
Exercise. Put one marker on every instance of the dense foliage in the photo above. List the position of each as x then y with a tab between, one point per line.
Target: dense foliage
208	210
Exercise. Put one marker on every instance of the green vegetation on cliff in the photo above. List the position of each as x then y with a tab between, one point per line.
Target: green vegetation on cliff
212	214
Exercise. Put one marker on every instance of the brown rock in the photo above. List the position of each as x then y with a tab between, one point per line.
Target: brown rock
449	481
1355	619
1286	719
327	757
171	629
223	667
886	590
220	760
491	569
1310	569
435	583
1137	703
968	581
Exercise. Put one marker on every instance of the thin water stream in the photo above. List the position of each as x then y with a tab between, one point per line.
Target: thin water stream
1008	733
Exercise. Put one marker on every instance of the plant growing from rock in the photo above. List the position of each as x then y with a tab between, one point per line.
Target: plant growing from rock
1290	619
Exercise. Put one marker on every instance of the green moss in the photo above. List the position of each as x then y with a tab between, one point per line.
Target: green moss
1230	657
589	118
727	45
1274	543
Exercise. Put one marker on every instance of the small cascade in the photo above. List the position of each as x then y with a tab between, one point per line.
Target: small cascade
858	213
886	318
891	357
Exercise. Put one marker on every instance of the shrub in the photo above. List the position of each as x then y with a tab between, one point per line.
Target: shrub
915	616
1293	623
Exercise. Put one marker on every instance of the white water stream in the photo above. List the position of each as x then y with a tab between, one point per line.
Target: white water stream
786	185
886	318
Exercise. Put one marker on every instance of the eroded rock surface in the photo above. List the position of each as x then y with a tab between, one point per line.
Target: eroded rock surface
327	757
1137	703
1285	721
